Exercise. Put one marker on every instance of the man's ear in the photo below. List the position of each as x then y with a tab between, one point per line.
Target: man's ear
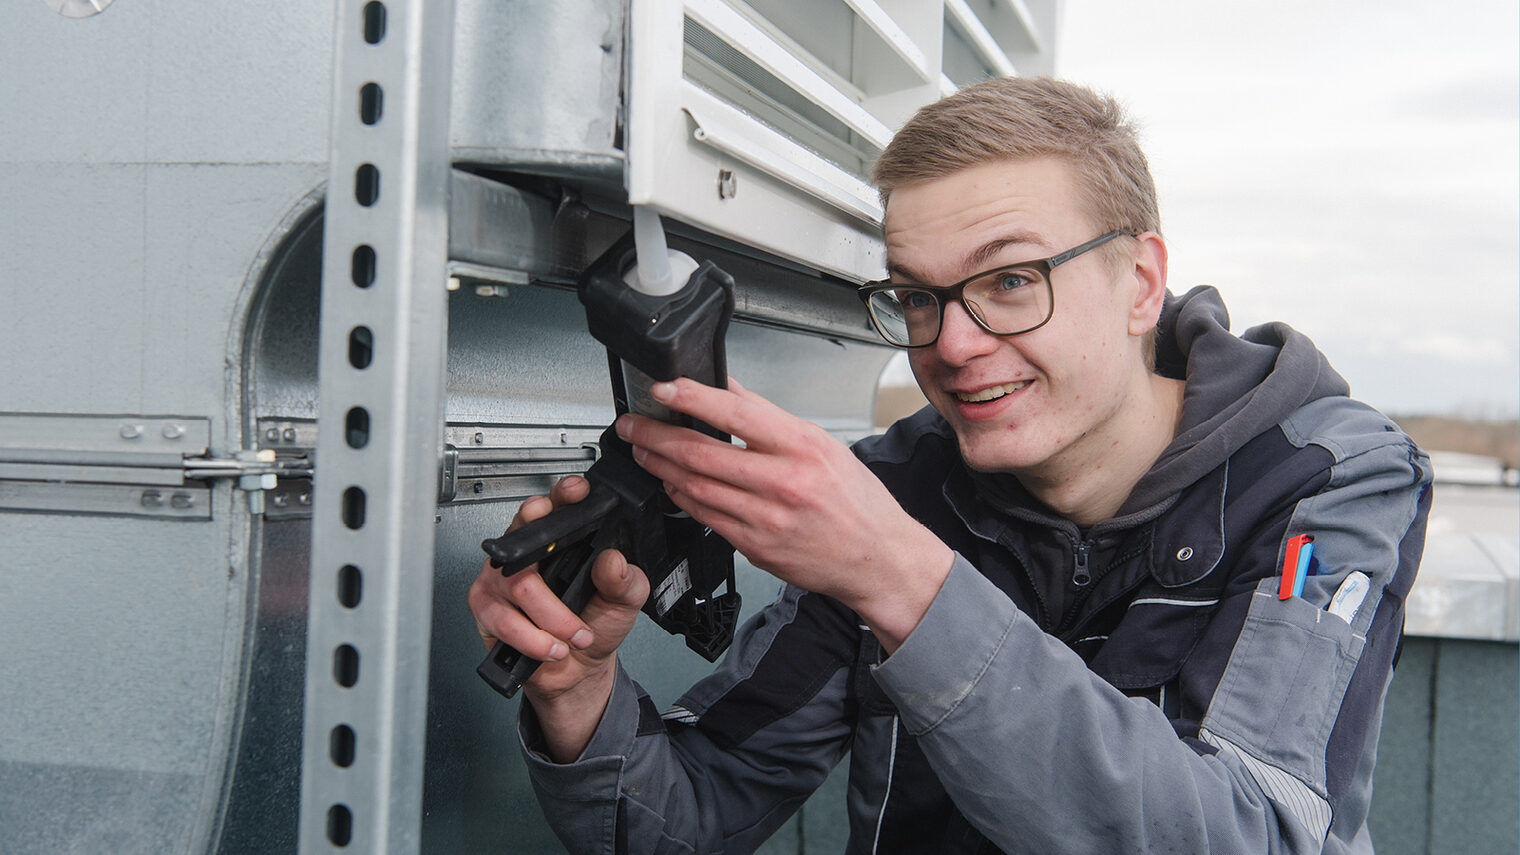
1149	272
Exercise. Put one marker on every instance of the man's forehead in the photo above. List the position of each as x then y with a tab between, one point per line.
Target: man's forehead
1015	245
982	215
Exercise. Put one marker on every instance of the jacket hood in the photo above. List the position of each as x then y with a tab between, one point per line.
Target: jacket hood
1237	387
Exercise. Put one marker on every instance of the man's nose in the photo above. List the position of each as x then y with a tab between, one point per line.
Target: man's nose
960	337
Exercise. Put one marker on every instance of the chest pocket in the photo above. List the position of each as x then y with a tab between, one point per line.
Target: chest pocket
1152	639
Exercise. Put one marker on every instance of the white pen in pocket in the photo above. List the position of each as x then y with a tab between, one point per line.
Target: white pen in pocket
1349	596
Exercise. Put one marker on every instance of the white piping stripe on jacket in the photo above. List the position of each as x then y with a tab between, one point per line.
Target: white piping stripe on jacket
887	793
1164	601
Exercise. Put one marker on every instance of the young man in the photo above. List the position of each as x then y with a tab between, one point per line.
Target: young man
1043	615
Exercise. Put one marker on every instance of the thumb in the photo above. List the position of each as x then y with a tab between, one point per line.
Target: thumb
619	583
621	589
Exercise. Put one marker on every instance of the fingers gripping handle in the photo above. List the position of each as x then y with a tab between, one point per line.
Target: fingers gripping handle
562	545
568	575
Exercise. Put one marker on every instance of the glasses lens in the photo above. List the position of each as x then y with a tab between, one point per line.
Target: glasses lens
1011	300
906	317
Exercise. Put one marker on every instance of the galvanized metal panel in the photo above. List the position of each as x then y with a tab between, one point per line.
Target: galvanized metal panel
116	635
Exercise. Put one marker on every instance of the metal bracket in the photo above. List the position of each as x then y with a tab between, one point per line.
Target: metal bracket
381	365
480	462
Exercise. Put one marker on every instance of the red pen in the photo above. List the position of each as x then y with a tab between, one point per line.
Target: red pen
1295	566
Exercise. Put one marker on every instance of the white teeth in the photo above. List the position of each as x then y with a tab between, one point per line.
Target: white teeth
991	392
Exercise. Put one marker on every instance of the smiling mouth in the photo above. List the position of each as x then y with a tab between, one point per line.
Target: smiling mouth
991	393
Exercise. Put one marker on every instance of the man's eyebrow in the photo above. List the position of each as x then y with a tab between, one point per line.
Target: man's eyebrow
984	254
978	259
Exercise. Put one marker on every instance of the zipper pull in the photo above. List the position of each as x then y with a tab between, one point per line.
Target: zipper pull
1081	576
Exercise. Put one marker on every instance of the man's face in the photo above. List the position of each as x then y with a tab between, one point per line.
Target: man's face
1040	402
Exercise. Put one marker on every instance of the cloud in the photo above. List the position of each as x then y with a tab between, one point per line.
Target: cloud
1459	349
1351	169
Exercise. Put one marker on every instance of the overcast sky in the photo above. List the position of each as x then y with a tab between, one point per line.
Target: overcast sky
1352	168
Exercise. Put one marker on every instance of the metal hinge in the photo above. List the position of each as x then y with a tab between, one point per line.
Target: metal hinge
161	466
126	465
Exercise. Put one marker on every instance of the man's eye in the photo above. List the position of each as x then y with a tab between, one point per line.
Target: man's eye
1009	280
917	300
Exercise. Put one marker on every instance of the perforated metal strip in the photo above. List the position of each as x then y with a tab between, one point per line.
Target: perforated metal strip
381	368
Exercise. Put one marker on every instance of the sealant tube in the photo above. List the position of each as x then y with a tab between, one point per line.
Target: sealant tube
658	272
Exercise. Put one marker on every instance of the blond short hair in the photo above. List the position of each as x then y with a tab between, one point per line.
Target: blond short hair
1016	118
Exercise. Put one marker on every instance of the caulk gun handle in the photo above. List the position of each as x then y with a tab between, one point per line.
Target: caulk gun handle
568	574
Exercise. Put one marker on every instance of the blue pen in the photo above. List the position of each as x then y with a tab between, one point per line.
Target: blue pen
1304	554
1295	566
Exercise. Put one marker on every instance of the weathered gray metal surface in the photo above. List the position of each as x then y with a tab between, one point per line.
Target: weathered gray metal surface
541	81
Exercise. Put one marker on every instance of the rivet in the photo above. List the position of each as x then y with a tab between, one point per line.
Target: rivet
1184	553
479	487
290	435
280	500
272	435
151	499
303	498
182	501
131	431
173	431
480	438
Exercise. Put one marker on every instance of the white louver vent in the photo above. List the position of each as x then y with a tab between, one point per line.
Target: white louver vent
760	120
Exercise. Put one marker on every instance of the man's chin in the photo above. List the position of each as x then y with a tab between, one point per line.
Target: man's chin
984	456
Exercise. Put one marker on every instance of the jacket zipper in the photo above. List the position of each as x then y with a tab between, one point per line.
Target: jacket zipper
1081	576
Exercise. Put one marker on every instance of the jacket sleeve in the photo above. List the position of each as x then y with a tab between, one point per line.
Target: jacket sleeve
725	766
1042	755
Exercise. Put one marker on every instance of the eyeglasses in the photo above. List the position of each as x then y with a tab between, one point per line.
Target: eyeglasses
1008	300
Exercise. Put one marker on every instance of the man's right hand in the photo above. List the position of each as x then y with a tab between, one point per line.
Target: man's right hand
569	691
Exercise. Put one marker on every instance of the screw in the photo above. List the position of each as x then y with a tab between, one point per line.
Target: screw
303	499
151	499
272	435
280	500
290	435
480	438
479	487
182	501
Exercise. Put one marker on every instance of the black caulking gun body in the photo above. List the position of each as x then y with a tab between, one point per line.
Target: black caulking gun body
649	337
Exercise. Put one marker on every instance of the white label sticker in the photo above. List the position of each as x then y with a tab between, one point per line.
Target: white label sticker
670	590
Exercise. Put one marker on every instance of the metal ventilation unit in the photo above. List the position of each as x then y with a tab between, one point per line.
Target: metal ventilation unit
760	121
287	330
